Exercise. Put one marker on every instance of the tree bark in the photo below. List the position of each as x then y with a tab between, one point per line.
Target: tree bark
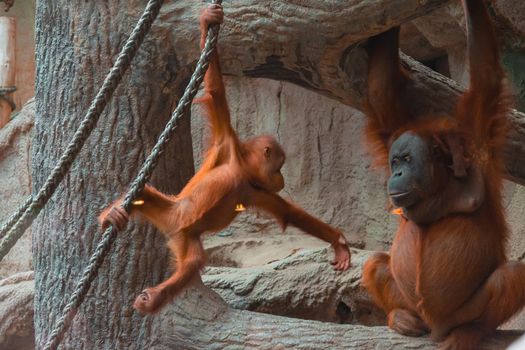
212	326
311	43
76	44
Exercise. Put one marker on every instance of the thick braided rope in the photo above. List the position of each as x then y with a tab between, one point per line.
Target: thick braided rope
137	186
98	104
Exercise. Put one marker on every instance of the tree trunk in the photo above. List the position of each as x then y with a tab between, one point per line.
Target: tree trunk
76	43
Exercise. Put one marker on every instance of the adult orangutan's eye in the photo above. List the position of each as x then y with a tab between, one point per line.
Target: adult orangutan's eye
395	162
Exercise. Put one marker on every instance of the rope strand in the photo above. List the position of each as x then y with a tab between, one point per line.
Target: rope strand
110	234
18	223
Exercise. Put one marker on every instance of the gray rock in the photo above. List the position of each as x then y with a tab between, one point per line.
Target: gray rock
16	312
302	285
15	182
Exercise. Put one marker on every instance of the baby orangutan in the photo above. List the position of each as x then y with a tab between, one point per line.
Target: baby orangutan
234	174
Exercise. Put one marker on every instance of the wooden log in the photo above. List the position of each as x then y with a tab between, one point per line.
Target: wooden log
7	65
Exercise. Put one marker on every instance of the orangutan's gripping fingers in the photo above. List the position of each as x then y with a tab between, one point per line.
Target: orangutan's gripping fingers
341	261
212	15
116	217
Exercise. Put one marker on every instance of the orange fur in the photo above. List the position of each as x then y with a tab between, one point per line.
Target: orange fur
452	276
233	172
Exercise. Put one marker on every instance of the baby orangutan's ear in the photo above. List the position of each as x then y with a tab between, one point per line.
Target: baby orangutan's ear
267	152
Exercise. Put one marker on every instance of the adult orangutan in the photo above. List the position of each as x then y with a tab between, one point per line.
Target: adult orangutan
234	174
449	274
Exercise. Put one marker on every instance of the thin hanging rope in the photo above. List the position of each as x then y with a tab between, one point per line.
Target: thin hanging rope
137	186
18	223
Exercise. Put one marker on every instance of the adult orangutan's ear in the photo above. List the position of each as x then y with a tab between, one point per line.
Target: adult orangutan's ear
452	146
439	148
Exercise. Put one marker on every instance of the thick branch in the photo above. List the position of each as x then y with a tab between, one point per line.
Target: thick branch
235	329
279	288
316	44
310	43
214	325
200	319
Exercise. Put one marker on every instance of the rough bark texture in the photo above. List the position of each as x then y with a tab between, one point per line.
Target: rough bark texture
235	329
76	43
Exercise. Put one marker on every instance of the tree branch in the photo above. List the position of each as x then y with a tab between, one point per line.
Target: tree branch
318	45
214	325
200	319
279	288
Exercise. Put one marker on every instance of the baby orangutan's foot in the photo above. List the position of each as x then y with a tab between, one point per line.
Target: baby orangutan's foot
149	301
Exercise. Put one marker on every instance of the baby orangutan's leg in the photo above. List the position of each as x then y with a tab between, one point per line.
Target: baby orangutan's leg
190	258
153	205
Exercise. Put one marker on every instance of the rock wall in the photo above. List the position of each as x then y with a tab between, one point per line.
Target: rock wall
15	183
327	170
